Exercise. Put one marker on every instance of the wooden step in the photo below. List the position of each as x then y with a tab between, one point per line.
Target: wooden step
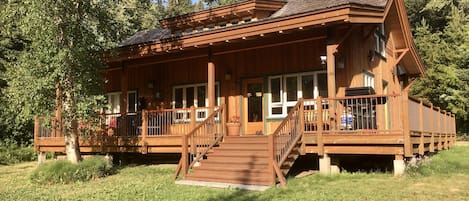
237	152
259	139
232	172
230	179
235	147
235	164
239	159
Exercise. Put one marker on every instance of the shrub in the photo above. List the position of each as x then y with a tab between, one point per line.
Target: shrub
64	172
13	153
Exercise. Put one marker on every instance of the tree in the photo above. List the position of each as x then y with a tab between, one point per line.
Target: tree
60	67
441	32
178	7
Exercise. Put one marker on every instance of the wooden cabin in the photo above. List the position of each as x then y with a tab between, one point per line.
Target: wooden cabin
242	90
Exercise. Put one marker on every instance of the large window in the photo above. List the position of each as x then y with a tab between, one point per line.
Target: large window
186	96
285	90
114	102
380	41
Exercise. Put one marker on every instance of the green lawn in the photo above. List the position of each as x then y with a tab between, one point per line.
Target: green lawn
446	177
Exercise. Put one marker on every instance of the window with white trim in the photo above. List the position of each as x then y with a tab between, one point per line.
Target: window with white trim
368	79
285	90
114	103
186	96
132	102
380	36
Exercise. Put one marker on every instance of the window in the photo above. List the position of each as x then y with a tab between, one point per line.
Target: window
368	79
188	31
285	90
200	28
114	103
132	102
186	96
380	41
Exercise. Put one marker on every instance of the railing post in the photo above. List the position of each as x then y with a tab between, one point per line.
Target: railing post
193	125
439	130
405	124
432	128
301	115
36	133
144	131
320	126
421	143
184	154
446	129
272	160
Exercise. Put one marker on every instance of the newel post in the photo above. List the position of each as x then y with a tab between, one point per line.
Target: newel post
432	128
144	131
193	125
184	154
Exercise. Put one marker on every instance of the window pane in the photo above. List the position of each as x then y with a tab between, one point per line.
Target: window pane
322	85
132	102
277	110
190	97
115	103
217	94
275	90
292	89
201	96
308	86
178	98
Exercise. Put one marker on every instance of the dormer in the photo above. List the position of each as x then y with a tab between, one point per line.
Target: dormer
221	17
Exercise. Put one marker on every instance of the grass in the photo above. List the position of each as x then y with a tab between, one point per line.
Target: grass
446	177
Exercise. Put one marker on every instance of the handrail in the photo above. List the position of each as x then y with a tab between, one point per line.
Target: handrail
201	139
286	137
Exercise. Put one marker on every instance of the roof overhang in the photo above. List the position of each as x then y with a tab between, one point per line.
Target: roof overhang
350	13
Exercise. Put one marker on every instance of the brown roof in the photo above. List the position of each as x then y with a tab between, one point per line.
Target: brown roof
293	7
302	6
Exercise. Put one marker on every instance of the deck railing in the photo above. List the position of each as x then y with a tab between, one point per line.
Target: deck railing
373	113
203	137
285	138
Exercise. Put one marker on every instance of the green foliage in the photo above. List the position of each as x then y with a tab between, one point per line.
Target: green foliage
11	153
444	163
64	172
441	32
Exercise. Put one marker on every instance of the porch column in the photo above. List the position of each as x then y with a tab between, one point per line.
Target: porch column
399	165
123	107
331	83
211	83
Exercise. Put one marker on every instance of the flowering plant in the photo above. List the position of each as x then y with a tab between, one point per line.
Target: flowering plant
234	119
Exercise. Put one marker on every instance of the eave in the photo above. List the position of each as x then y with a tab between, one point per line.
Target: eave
341	14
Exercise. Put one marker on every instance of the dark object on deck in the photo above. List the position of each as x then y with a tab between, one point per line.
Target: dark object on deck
359	91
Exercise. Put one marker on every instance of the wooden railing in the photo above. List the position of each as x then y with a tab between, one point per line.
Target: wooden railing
285	138
373	113
198	142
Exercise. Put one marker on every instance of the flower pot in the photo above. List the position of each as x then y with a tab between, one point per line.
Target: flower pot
233	129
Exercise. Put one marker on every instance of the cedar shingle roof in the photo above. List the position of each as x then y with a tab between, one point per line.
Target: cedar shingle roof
293	7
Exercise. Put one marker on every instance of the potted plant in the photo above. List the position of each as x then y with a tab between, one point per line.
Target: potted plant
233	126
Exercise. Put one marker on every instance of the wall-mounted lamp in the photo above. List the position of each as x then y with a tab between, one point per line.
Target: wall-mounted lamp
150	85
371	55
323	59
340	63
228	76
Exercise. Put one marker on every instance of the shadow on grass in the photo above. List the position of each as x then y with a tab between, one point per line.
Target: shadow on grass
241	195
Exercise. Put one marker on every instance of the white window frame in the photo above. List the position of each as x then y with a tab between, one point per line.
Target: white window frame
380	36
201	113
369	79
110	98
284	103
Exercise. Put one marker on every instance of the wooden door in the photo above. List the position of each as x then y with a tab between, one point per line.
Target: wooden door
253	111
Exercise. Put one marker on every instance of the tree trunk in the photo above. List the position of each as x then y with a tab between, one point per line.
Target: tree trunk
72	146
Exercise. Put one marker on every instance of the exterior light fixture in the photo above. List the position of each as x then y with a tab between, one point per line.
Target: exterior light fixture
323	59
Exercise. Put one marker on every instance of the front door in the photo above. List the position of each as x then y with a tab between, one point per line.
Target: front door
253	115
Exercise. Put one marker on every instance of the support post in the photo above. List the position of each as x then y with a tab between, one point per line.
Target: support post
41	157
399	165
446	129
36	133
320	127
325	165
405	124
211	83
440	147
331	49
422	135
302	127
193	124
124	88
144	131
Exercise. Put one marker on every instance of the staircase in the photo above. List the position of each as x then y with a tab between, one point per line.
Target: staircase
241	160
238	160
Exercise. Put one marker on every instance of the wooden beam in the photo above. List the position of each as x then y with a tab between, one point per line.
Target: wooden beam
211	83
405	124
403	53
